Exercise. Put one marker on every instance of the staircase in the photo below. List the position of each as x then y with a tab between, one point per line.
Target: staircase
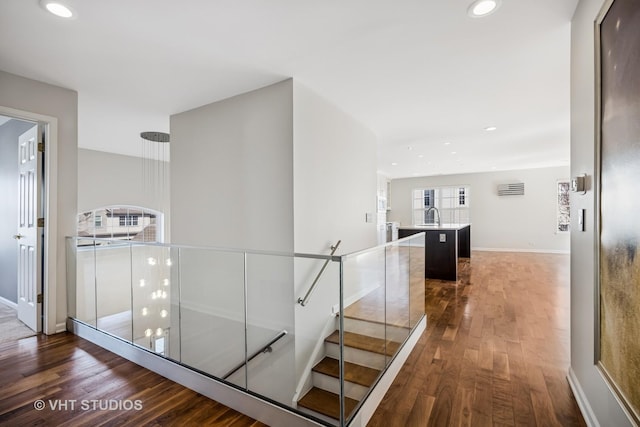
368	346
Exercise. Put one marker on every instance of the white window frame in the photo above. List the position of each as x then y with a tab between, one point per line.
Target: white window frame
449	207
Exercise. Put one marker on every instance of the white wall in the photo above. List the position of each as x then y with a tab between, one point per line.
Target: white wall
278	169
335	162
232	172
335	183
232	186
601	405
523	223
32	96
106	179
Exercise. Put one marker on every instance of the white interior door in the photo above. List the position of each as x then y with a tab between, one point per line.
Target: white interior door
28	235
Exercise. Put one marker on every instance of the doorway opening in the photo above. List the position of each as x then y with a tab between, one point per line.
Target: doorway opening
22	214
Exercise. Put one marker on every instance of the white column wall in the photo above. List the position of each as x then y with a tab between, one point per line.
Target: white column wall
232	186
279	169
335	185
232	172
335	176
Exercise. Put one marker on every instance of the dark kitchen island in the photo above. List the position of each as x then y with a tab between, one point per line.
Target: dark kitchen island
444	244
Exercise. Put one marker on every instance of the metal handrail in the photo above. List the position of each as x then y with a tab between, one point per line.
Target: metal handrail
305	300
266	349
115	242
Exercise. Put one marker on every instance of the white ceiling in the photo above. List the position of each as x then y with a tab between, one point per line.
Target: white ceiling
418	73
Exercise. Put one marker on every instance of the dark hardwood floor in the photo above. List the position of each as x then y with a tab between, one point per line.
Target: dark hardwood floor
95	387
496	349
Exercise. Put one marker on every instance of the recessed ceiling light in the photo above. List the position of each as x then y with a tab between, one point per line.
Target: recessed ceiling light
453	152
420	156
481	8
447	143
394	164
58	8
490	128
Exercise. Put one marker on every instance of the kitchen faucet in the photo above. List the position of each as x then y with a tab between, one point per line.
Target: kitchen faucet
437	211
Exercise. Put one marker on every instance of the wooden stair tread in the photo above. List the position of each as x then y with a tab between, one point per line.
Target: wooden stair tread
364	342
353	372
326	403
402	325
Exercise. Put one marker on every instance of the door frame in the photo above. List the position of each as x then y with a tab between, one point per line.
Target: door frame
50	211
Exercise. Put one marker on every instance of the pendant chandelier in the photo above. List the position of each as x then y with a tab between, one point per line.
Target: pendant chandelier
155	153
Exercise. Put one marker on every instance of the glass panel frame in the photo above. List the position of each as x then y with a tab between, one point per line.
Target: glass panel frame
246	300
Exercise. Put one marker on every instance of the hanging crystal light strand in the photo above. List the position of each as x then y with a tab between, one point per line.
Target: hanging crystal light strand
155	146
155	149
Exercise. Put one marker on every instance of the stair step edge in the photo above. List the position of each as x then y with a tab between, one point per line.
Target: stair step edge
374	345
326	403
329	366
377	322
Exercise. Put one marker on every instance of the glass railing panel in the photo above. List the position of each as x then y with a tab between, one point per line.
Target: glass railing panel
70	268
364	290
214	309
175	336
365	293
397	325
316	321
81	276
416	279
151	296
378	299
365	312
113	287
270	326
212	312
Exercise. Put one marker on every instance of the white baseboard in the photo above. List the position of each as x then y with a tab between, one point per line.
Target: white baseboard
537	251
9	303
581	398
61	327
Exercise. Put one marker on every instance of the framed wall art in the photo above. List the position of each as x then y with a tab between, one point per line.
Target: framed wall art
618	199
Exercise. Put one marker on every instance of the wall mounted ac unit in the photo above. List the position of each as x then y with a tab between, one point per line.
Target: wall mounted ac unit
511	189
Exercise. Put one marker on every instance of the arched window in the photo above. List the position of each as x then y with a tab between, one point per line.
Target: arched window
122	222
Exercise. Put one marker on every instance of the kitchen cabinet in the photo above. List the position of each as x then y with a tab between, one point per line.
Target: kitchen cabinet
444	245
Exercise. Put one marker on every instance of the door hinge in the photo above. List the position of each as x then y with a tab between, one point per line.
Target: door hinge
41	147
39	299
40	222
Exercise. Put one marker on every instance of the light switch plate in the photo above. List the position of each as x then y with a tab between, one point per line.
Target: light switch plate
443	238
